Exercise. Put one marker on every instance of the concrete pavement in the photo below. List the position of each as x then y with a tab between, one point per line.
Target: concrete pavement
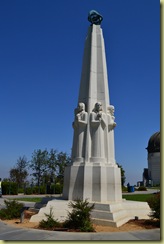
27	204
149	191
47	197
12	233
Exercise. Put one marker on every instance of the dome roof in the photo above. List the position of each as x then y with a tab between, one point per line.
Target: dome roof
154	143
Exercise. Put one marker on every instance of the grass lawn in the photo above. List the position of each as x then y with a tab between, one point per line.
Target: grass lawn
27	199
133	197
138	197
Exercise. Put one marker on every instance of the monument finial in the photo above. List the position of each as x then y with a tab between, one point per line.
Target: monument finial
94	17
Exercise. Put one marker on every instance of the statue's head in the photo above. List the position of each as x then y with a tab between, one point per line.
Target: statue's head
98	106
111	110
94	17
81	106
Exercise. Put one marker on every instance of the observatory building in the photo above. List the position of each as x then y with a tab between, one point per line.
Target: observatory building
151	175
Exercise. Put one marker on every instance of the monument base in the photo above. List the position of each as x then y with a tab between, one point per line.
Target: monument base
59	211
100	184
117	214
109	214
96	182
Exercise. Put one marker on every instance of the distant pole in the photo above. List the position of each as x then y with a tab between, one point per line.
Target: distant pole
9	186
0	188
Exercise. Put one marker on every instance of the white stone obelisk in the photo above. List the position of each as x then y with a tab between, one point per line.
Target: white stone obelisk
93	173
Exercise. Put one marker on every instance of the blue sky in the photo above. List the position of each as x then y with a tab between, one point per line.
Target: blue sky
41	50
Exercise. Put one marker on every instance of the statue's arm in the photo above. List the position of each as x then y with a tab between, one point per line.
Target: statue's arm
103	120
83	121
95	120
111	122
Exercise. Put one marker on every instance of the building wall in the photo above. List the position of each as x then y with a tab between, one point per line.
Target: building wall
154	167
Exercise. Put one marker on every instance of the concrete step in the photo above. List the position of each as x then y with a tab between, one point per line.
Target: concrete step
112	223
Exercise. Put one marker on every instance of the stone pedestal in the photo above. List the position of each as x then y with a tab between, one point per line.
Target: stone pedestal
117	214
109	214
95	182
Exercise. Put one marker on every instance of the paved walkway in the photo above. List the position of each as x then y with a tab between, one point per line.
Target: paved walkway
11	233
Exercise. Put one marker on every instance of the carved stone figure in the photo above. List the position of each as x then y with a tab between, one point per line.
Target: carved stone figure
111	118
111	125
98	124
79	125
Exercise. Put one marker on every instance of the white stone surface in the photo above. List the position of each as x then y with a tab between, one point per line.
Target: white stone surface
97	182
154	167
79	125
111	214
94	173
97	132
60	211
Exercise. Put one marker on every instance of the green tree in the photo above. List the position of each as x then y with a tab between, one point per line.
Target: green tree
52	164
48	167
39	164
50	174
123	178
62	161
19	173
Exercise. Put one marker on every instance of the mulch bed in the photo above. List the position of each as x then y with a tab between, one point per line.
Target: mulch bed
146	223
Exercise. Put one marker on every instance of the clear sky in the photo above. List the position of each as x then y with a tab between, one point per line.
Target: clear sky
41	50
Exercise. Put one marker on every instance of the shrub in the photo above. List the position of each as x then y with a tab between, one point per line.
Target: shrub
28	191
142	188
43	189
20	190
154	203
50	222
58	188
79	218
12	210
37	190
124	189
9	188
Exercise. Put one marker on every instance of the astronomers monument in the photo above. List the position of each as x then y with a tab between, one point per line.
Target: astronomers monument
93	173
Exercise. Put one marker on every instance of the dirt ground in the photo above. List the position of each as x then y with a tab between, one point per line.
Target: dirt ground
129	226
